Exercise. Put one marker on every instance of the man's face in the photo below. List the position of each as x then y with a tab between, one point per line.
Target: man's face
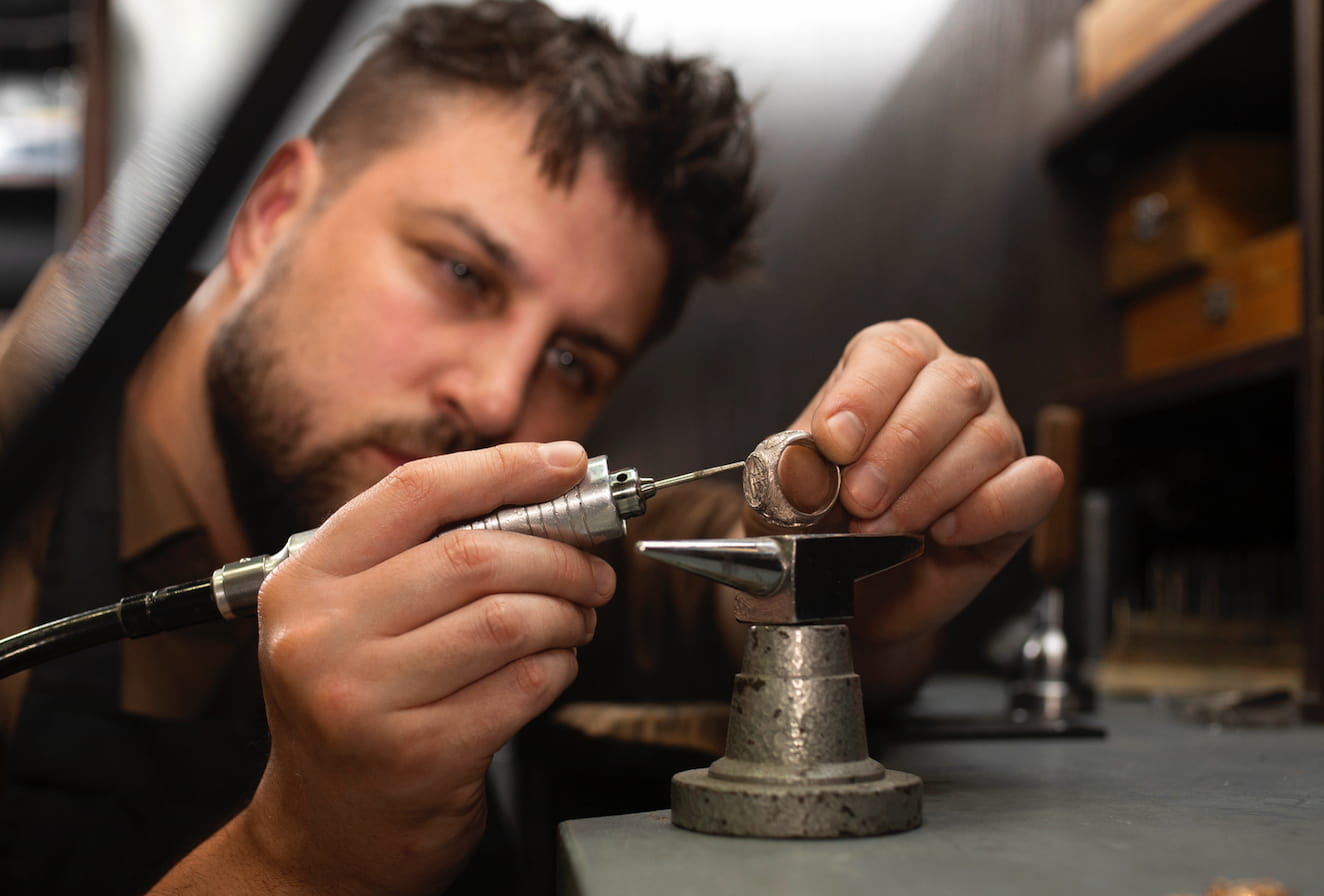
444	298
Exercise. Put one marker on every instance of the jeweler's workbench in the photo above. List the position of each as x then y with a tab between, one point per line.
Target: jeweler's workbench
1158	807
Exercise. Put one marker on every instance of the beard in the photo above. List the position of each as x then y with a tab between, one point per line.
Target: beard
278	484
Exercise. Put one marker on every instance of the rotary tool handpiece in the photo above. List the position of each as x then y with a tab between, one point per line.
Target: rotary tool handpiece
592	512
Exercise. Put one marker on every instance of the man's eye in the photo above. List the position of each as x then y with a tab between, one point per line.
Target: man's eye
568	366
463	274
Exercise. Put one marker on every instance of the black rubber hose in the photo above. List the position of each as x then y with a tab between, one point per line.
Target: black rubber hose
133	617
59	638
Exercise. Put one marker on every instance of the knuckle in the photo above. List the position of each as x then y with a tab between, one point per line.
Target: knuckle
919	330
907	434
1002	438
462	550
981	366
507	461
899	341
336	699
410	484
501	622
569	565
287	651
966	378
540	677
532	676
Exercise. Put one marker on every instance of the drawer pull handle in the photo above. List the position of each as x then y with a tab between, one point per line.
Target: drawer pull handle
1148	213
1216	301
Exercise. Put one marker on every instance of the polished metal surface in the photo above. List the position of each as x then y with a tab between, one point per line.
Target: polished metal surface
763	487
584	516
789	579
1045	687
235	586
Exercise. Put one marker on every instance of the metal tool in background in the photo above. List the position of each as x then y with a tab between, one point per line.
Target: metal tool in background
797	762
1047	686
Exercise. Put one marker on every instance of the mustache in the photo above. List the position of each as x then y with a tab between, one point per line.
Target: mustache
418	438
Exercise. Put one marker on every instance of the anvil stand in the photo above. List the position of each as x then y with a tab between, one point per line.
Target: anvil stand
797	762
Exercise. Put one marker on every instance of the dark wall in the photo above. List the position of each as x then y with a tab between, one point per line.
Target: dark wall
943	210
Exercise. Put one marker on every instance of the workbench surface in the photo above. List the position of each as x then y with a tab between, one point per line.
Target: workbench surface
1157	807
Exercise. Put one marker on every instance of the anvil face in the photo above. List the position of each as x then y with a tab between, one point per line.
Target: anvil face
789	579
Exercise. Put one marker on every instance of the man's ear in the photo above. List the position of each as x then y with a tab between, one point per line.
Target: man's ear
287	186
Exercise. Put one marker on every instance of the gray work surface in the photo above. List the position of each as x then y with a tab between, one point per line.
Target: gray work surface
1158	807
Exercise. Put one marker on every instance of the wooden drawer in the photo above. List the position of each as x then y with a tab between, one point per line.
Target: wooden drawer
1113	36
1194	204
1251	296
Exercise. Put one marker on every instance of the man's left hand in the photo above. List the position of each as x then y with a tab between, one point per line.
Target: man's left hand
926	446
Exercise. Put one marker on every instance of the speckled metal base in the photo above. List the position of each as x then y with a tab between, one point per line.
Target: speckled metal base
700	802
797	762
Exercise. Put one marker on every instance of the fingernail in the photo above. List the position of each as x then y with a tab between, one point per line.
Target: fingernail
848	430
945	528
562	454
866	486
604	577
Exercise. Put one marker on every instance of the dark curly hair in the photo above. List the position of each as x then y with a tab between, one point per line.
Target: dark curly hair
674	132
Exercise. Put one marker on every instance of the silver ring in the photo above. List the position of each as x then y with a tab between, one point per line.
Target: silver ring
763	492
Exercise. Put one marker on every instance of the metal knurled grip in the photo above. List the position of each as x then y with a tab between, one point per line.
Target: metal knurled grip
584	516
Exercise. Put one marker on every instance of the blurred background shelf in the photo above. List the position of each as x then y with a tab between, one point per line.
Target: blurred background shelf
1232	69
1207	468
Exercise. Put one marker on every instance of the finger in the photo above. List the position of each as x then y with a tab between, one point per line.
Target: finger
1013	502
451	653
420	497
876	370
989	444
946	395
477	720
448	572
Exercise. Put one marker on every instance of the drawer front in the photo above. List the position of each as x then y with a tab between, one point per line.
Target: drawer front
1195	204
1249	297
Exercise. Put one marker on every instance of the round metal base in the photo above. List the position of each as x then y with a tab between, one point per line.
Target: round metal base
700	802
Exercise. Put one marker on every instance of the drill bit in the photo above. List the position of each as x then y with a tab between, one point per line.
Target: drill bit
649	487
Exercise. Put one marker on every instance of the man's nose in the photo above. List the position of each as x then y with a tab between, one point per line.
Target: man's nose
494	386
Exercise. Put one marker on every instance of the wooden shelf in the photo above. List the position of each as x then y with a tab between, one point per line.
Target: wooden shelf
1230	71
1125	397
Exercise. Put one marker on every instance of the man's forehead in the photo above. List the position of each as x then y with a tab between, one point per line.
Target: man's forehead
472	167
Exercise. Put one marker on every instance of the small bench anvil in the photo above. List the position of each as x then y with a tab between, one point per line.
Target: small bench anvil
797	761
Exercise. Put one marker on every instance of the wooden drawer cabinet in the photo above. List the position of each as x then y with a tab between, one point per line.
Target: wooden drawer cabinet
1249	297
1195	204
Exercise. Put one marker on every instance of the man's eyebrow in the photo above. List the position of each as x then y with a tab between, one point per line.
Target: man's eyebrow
500	253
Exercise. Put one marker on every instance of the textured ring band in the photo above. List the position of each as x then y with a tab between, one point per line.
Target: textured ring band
763	491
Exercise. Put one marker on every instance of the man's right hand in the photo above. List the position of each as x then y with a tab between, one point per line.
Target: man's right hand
394	665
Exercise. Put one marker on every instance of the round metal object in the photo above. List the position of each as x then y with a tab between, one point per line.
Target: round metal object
797	761
709	805
763	488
